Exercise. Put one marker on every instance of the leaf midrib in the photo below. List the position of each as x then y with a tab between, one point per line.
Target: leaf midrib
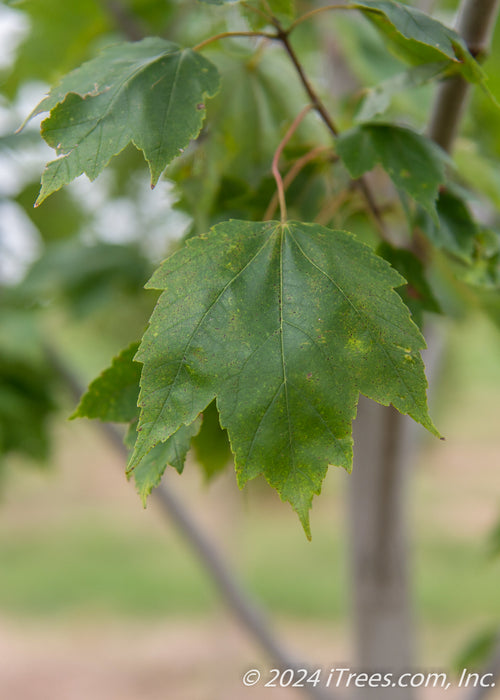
199	324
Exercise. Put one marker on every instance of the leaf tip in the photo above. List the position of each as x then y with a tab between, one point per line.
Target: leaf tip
42	196
303	513
306	526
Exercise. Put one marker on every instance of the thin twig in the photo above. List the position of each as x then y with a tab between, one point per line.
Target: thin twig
312	13
228	35
373	208
246	611
318	105
299	164
313	95
275	166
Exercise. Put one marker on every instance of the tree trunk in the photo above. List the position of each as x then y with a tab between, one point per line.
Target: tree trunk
383	621
384	448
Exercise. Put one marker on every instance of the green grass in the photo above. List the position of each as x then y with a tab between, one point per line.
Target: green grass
93	567
293	576
456	583
97	564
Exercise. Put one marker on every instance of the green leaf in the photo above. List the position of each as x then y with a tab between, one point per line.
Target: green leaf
113	395
414	163
476	654
211	445
285	325
455	229
149	471
378	98
28	383
150	93
419	37
282	9
417	294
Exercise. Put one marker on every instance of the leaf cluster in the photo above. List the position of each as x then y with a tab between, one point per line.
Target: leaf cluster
265	333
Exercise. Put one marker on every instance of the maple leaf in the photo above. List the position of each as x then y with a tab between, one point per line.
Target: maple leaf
150	93
285	325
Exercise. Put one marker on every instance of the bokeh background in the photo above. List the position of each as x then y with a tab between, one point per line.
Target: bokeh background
102	599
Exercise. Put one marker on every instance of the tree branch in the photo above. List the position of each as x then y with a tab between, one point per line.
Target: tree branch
476	21
313	96
246	611
361	183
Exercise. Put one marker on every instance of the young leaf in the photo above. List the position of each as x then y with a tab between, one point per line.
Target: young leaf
113	395
414	163
419	37
150	93
285	325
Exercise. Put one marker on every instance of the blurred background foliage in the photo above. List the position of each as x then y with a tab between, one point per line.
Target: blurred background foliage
71	282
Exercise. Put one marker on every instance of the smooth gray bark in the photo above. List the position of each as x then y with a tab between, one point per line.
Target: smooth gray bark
384	448
475	23
383	619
